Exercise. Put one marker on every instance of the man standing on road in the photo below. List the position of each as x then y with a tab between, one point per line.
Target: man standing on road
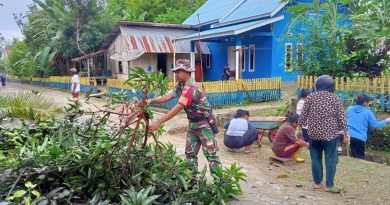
202	125
75	84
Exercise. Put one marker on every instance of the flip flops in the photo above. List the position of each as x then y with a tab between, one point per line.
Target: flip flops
317	187
249	151
333	190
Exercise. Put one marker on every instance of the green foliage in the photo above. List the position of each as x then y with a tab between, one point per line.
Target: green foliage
28	106
21	60
379	139
58	30
343	37
84	158
27	195
369	40
316	26
155	82
142	197
3	65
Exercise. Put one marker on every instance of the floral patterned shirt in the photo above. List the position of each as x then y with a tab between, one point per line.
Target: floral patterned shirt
324	115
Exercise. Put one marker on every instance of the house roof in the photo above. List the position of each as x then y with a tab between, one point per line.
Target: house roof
211	11
230	30
227	12
116	31
155	40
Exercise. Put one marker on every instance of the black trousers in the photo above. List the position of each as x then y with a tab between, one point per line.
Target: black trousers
358	148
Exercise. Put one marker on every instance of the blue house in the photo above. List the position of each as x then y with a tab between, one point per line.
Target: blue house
246	35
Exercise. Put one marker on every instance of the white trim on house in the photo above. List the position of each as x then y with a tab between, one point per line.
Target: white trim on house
280	7
231	10
217	25
285	57
243	50
231	32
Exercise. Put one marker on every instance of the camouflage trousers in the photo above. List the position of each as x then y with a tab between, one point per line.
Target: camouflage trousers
202	137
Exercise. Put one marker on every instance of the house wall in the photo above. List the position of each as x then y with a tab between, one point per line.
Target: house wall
222	54
148	61
279	46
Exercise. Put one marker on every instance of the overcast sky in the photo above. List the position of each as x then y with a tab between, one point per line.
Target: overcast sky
8	27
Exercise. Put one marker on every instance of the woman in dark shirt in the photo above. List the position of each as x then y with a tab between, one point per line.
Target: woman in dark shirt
324	115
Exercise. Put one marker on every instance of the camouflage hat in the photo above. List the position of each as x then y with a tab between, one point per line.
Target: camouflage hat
183	64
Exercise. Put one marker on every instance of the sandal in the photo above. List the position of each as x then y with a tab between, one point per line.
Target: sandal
232	150
249	151
317	187
333	190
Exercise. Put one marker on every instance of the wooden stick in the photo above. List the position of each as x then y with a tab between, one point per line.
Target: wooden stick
17	180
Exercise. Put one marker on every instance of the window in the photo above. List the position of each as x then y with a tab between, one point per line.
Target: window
120	67
300	57
288	58
252	49
243	58
208	60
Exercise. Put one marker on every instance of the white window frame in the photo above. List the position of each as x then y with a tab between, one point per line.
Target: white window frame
285	57
252	50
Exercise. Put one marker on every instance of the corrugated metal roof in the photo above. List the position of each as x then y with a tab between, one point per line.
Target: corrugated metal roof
231	30
157	40
225	11
210	11
251	8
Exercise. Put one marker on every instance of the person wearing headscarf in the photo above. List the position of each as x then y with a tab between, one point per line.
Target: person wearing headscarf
359	118
239	133
324	116
286	143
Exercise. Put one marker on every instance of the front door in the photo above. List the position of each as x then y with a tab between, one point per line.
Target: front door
162	63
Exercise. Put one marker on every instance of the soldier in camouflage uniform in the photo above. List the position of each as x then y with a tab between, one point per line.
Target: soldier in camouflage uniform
201	128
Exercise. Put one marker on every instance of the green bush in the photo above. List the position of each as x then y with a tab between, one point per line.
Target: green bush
379	139
82	158
27	106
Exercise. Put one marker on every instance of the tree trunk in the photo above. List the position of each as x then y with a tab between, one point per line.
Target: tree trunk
78	33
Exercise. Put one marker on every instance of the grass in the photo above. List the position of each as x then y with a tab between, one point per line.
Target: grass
27	106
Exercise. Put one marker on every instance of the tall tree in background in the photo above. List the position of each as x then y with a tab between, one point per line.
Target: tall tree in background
58	30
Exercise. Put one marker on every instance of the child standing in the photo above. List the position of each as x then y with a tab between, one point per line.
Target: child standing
300	104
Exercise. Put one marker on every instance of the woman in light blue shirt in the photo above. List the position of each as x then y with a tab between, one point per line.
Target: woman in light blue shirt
239	133
359	119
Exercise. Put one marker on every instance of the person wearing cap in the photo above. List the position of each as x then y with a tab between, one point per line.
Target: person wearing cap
75	84
286	143
202	125
239	133
324	116
359	118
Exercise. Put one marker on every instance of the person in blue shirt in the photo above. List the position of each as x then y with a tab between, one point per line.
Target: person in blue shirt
359	118
239	133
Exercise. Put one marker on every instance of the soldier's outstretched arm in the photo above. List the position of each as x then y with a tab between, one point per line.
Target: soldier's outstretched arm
171	113
160	99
